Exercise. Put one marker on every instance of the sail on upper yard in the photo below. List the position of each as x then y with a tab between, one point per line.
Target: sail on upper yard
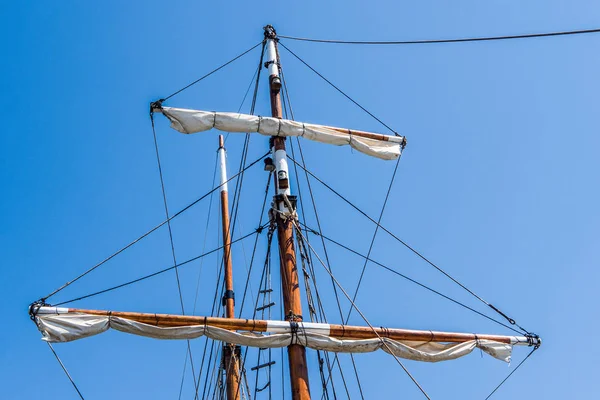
374	144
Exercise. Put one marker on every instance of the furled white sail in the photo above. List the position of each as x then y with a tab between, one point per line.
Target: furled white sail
373	144
73	326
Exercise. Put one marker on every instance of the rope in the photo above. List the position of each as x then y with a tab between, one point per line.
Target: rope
213	71
164	196
459	40
338	89
43	299
412	280
321	308
512	372
368	323
362	273
65	370
162	271
510	320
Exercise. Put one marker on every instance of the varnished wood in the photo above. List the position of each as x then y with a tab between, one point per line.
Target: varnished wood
336	331
230	359
292	304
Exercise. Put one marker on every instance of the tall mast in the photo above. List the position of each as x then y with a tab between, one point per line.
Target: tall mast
231	352
285	205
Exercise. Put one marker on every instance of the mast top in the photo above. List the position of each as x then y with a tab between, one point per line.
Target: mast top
270	32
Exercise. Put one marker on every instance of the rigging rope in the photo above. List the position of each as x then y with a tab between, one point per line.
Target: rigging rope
212	72
457	40
65	370
339	90
252	81
512	372
162	271
43	299
510	320
411	280
362	273
164	196
383	342
330	366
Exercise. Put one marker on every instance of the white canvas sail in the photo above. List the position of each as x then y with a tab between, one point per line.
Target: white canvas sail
66	327
373	144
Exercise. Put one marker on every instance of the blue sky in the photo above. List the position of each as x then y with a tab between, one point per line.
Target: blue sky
498	184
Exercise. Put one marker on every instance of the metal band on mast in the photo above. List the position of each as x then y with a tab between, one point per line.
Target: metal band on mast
284	212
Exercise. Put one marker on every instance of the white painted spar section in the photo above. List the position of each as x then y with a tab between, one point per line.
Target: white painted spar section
281	170
303	327
272	58
223	165
51	310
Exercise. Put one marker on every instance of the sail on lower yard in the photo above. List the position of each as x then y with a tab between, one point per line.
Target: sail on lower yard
373	144
64	325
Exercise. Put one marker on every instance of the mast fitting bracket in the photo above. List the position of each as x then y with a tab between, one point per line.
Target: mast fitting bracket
229	294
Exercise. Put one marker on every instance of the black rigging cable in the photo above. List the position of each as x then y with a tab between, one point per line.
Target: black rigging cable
510	320
458	40
348	248
65	370
512	372
383	342
338	89
212	72
43	299
166	207
162	271
287	103
362	273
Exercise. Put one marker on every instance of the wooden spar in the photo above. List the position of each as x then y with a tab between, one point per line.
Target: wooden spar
231	359
290	287
370	135
335	331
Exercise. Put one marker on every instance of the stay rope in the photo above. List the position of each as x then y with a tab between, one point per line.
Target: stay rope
413	250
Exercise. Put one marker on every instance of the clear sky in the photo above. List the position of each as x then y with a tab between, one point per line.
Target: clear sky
498	184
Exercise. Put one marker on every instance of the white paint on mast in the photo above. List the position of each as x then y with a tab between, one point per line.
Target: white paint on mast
223	164
272	63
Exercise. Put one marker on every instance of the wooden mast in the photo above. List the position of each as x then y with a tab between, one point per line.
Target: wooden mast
231	353
282	202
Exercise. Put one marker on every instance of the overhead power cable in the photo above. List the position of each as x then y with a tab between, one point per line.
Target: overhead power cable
457	40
